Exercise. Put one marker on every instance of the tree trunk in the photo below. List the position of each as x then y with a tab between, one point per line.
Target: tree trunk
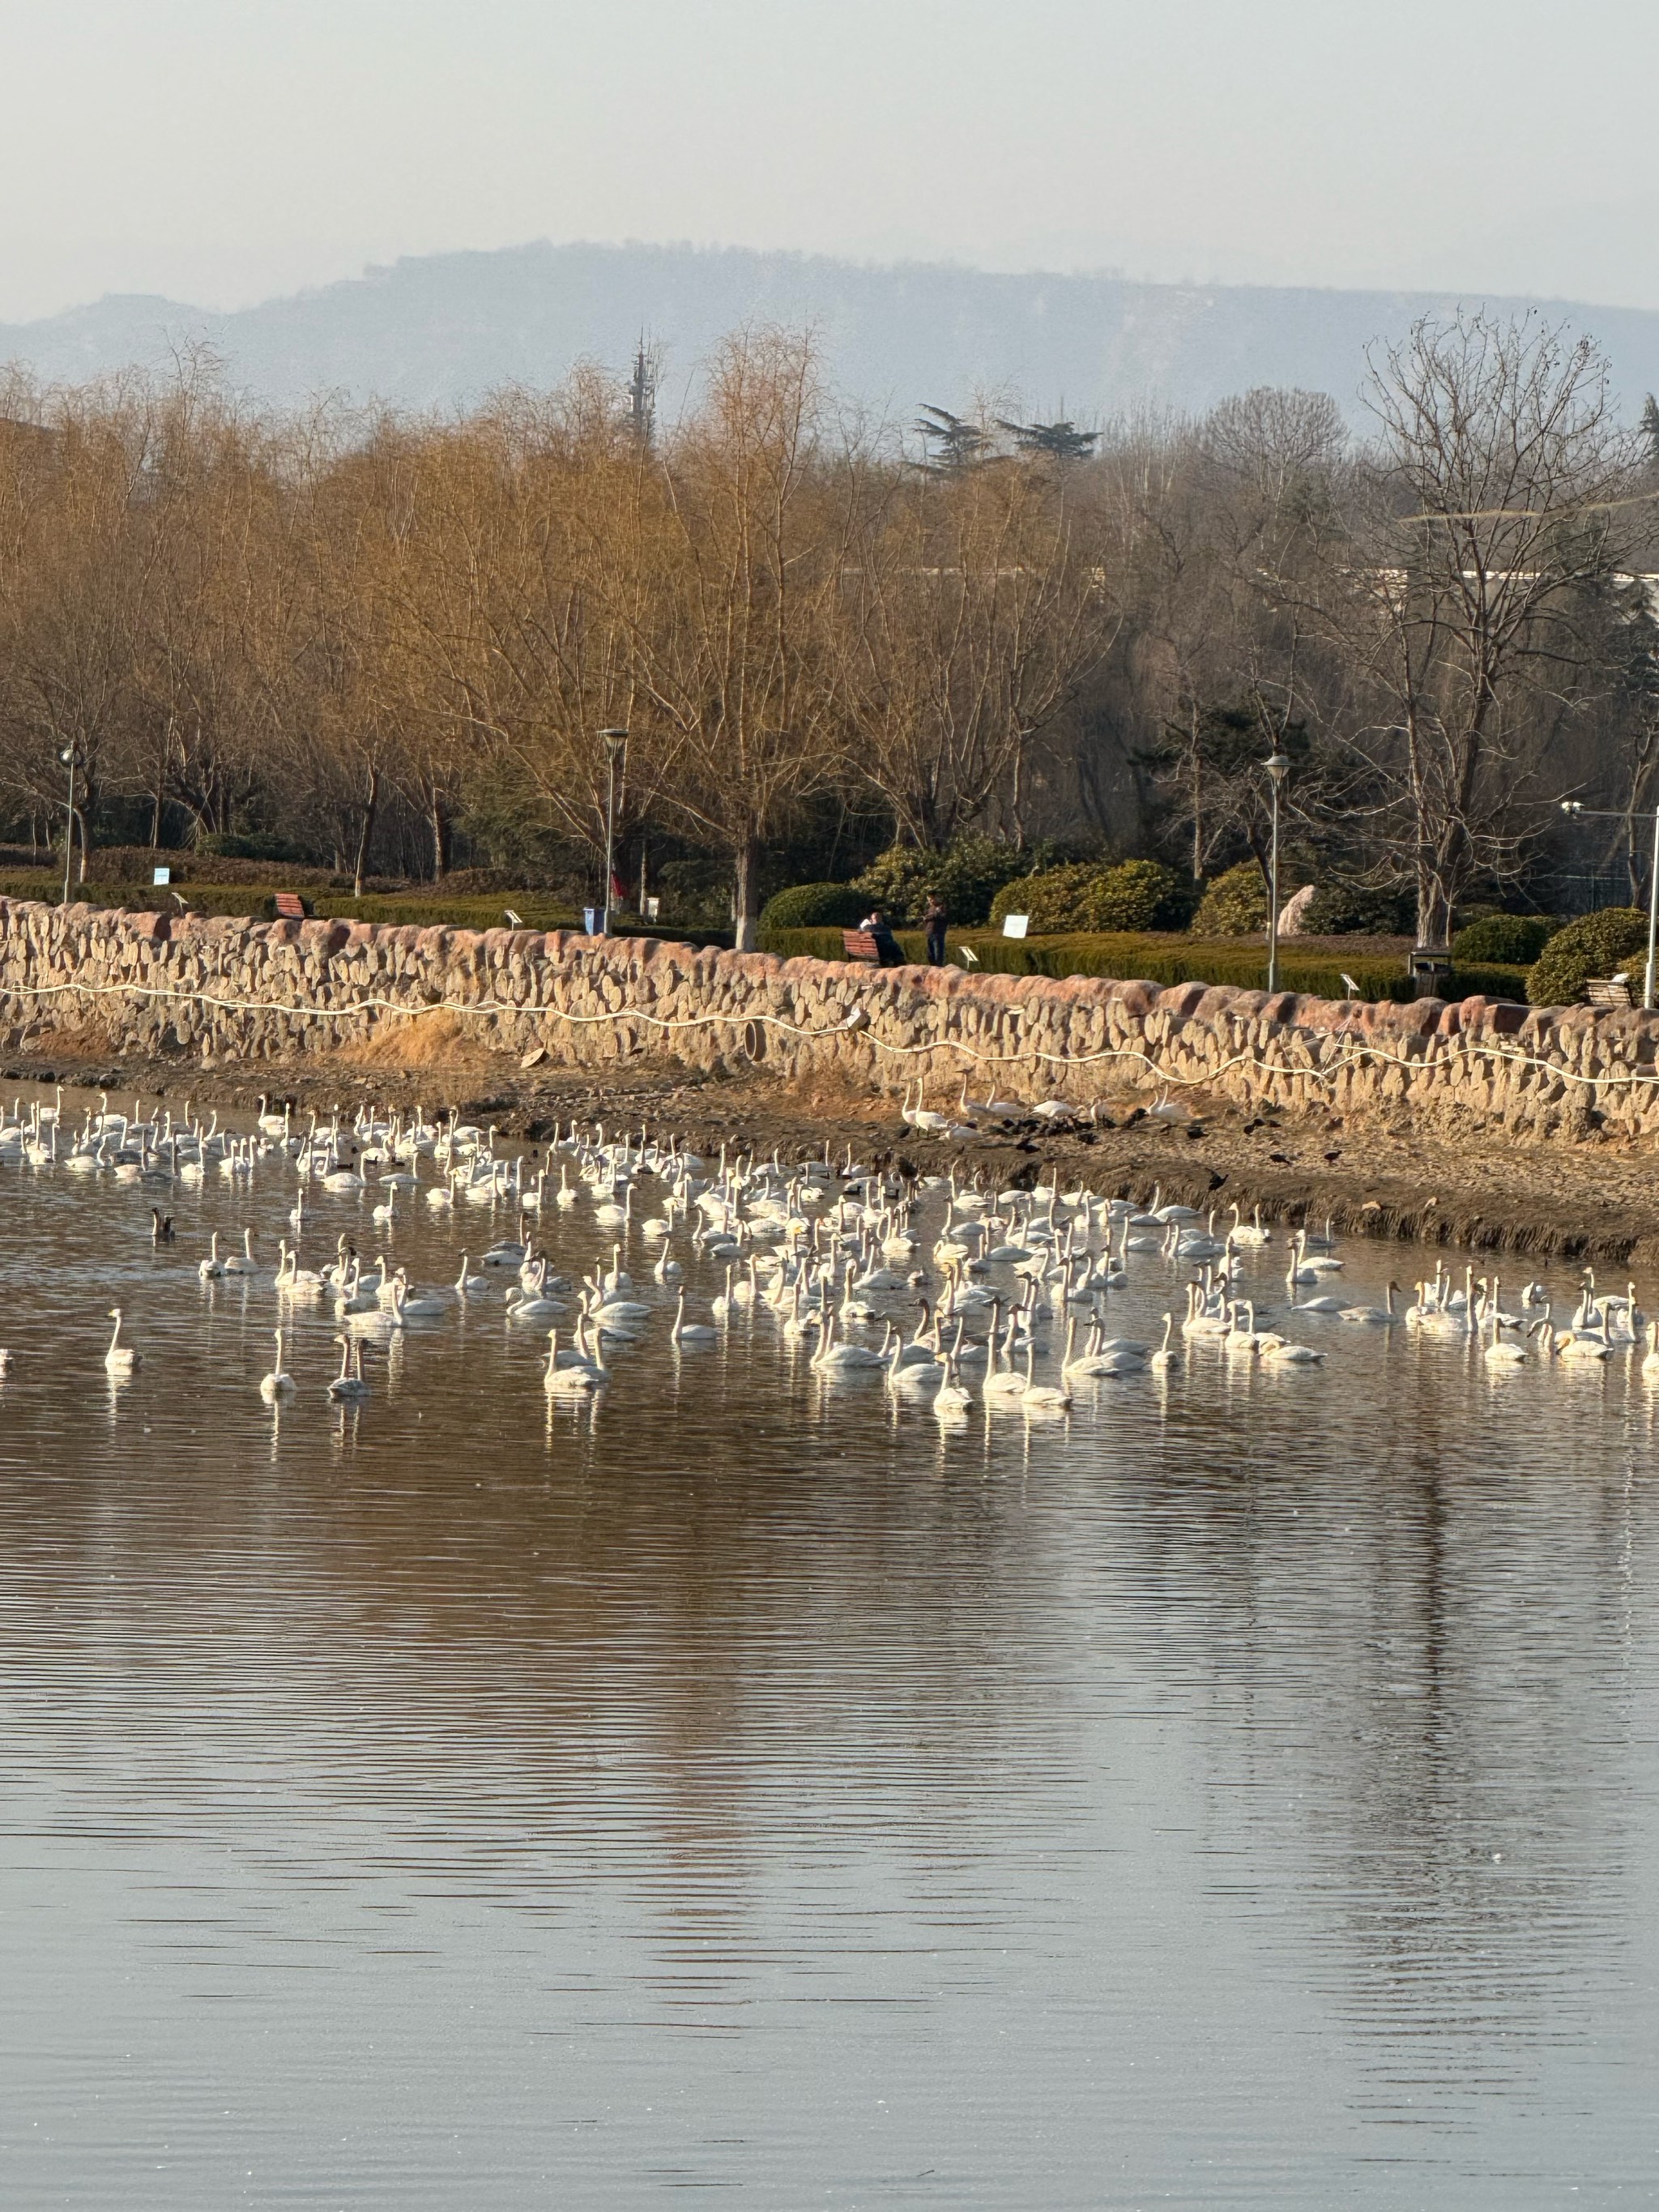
1016	799
747	904
371	802
438	820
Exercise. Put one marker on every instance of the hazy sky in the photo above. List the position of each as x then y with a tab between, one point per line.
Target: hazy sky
223	150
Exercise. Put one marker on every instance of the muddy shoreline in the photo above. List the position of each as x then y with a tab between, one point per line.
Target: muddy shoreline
1594	1198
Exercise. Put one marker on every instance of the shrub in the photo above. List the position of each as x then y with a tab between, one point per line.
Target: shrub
1514	938
975	868
1594	945
967	875
1334	911
1052	898
1135	895
1235	905
815	906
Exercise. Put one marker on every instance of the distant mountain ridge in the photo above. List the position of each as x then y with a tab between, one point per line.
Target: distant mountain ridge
442	329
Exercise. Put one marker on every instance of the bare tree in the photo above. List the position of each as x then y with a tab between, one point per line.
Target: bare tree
732	652
1486	526
969	616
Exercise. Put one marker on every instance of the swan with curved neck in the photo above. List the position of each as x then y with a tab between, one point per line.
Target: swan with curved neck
348	1382
120	1358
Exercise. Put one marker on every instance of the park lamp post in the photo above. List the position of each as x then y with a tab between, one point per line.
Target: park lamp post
1579	811
70	761
1277	765
616	751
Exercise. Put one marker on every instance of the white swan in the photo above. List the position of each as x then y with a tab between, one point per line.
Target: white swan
242	1262
278	1384
1499	1351
578	1380
1377	1317
120	1358
348	1382
690	1332
834	1357
1038	1397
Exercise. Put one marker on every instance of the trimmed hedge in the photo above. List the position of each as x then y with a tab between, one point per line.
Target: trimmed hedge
1167	956
1517	939
815	906
1594	945
427	910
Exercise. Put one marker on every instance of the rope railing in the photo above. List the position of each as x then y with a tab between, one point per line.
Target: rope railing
1355	1054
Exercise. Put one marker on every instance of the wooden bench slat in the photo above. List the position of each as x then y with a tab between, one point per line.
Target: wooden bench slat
1605	991
290	907
858	945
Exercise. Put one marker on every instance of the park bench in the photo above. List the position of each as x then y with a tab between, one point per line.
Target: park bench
858	945
290	907
1608	991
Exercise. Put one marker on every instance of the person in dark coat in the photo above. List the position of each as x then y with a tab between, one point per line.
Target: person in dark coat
934	921
888	950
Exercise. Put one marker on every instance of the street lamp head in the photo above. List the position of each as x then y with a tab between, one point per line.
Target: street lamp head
1277	765
67	757
1572	805
614	741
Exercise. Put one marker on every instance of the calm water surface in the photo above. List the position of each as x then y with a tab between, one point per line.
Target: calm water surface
1244	1791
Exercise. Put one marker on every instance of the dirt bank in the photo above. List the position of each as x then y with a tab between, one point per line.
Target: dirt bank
1594	1198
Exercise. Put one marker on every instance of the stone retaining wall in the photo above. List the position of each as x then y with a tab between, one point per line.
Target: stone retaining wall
98	979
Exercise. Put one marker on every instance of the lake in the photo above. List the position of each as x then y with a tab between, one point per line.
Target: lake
1242	1790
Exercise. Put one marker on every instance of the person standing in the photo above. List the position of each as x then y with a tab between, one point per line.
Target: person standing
934	921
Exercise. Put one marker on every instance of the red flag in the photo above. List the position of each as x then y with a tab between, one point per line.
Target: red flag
618	891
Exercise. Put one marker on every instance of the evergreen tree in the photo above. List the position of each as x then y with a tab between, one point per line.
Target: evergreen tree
952	442
1058	442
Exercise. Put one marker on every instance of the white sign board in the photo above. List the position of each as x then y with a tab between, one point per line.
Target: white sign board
160	875
652	909
1015	924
